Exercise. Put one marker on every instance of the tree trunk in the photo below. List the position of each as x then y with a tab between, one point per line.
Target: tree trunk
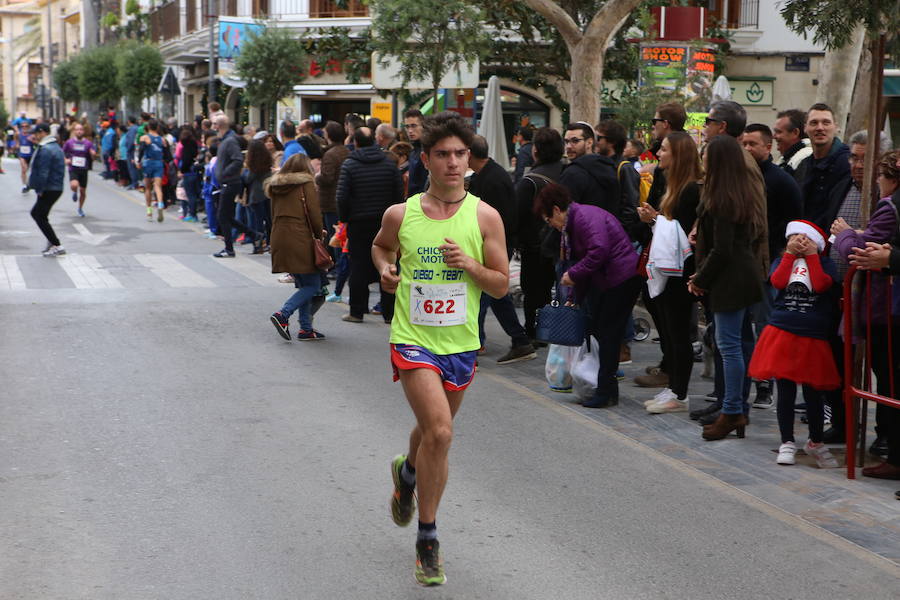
838	74
858	106
587	77
876	47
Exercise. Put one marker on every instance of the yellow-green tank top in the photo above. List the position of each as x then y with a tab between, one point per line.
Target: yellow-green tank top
437	306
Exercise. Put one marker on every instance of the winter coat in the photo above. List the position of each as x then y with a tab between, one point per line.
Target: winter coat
784	203
602	254
329	173
494	187
231	159
48	167
729	263
593	179
823	175
370	182
292	240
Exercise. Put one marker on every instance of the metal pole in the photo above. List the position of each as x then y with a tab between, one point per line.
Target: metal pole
211	89
50	61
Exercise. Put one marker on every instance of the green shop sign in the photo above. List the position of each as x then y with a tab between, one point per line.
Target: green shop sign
752	92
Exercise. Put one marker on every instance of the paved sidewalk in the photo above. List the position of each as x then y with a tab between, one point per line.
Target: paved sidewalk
862	511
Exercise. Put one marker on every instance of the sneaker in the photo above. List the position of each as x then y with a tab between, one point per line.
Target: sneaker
376	310
159	212
624	355
824	458
351	319
74	196
190	219
669	406
334	298
763	398
286	278
54	251
786	453
403	500
149	214
517	354
24	189
663	396
658	380
209	236
429	563
281	324
80	212
620	375
223	253
309	335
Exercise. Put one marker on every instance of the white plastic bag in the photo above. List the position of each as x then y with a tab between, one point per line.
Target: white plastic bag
584	371
559	367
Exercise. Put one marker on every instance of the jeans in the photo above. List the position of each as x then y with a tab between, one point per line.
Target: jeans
134	173
261	213
308	286
505	311
607	315
191	183
211	210
226	216
343	271
735	351
41	214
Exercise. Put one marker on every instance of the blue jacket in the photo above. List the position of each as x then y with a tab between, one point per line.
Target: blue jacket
48	167
108	141
418	174
291	148
130	137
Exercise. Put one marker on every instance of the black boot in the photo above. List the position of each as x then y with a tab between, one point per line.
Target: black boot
706	410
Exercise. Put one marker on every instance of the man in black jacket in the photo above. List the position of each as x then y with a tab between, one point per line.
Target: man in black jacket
229	164
591	178
418	174
827	167
368	184
537	274
524	157
492	184
610	142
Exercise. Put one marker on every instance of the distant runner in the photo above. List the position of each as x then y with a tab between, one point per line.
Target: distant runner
79	153
24	146
150	154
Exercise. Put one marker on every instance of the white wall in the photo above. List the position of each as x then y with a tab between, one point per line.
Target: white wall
775	36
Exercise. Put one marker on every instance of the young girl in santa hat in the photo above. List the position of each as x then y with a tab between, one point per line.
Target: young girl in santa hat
793	347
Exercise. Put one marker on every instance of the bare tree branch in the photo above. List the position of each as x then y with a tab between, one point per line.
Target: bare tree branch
609	18
563	22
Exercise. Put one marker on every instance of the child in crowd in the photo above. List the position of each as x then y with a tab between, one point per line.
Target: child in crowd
211	190
339	240
799	327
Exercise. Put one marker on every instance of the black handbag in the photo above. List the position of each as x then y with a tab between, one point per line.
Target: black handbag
561	325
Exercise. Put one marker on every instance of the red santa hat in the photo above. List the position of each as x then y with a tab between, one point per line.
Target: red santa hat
810	230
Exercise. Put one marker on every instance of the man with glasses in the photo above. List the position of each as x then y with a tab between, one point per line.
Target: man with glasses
418	175
590	178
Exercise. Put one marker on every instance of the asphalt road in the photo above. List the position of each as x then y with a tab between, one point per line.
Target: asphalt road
159	440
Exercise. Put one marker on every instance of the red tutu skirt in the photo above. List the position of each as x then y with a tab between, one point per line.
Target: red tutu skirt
780	354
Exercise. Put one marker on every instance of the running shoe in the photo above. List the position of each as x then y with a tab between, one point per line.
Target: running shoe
149	214
24	189
281	324
160	207
403	500
223	253
376	310
54	251
429	563
334	298
80	212
309	335
74	196
190	219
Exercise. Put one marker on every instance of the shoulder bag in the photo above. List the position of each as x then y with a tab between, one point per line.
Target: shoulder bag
561	325
323	259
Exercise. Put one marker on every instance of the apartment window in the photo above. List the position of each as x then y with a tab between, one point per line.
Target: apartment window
35	72
191	8
229	8
324	9
260	8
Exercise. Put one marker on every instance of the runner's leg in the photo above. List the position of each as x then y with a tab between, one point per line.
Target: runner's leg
430	440
24	166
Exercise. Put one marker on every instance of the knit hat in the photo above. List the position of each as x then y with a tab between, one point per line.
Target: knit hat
810	230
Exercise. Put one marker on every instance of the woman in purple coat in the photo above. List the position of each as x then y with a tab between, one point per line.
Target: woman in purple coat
881	229
603	274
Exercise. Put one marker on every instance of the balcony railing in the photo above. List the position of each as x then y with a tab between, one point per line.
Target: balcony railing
748	17
164	22
325	9
734	14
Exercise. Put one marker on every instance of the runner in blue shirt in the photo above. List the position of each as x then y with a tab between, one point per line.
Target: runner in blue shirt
24	150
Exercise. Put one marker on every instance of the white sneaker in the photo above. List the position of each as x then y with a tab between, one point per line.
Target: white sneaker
286	278
786	453
661	397
54	251
824	458
668	406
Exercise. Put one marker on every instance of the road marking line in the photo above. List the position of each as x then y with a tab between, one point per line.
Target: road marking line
86	272
173	272
746	498
249	269
12	278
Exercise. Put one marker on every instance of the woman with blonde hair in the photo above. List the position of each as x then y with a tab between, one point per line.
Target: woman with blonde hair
296	222
684	175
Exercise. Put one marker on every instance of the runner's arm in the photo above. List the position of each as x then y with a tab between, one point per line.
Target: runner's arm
492	276
385	246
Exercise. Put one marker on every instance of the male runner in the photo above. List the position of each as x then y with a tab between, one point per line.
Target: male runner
24	150
79	153
150	155
451	247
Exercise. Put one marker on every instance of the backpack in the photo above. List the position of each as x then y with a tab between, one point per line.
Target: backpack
643	186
